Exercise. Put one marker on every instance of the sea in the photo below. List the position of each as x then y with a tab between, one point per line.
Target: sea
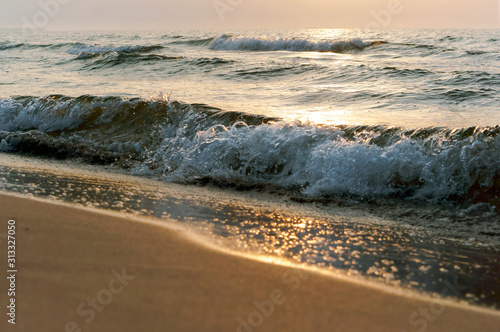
400	123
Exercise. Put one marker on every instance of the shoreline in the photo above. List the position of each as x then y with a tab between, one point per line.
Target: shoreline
405	216
226	221
176	277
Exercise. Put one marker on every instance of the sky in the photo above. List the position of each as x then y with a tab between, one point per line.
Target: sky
247	14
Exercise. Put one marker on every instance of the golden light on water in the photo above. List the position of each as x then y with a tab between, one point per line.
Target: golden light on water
381	252
328	34
321	116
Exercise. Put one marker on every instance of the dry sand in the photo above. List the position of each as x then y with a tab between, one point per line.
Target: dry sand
66	255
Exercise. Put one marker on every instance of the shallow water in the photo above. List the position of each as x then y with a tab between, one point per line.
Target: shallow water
390	253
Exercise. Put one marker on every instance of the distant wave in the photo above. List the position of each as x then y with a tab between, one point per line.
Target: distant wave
23	46
297	45
440	48
10	46
476	52
111	59
96	49
94	61
190	143
172	36
407	72
196	42
273	71
212	61
79	48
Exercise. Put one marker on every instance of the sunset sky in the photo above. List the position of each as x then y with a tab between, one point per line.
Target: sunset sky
224	14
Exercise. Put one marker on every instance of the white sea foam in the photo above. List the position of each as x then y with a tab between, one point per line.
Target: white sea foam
322	161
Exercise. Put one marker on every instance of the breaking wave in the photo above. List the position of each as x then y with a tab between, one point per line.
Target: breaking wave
193	142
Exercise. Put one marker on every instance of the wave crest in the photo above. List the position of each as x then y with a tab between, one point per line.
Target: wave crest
192	142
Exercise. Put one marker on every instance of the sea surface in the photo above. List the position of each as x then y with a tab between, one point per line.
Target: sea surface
377	118
411	113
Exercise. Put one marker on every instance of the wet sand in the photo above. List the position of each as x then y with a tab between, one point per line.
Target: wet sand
96	271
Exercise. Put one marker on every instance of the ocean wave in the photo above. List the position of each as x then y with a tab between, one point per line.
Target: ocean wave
296	45
204	61
475	52
423	49
460	95
10	46
406	72
450	38
175	36
190	143
272	71
23	46
96	49
195	42
112	59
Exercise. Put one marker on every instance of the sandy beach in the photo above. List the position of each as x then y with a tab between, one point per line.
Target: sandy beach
85	270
